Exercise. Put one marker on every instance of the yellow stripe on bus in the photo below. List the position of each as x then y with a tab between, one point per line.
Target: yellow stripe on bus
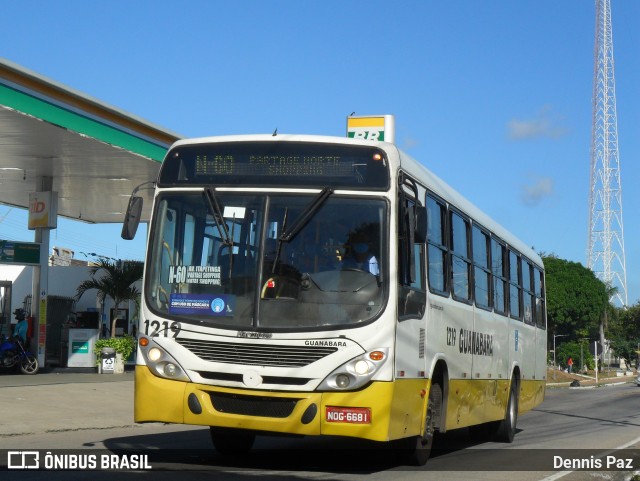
479	401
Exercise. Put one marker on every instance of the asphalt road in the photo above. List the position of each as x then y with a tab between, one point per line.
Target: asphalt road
94	413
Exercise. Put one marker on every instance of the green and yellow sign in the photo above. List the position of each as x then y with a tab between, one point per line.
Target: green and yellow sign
372	127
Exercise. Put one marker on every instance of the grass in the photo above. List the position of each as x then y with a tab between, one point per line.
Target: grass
558	376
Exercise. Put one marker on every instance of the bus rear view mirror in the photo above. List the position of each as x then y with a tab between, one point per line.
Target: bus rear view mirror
132	218
420	233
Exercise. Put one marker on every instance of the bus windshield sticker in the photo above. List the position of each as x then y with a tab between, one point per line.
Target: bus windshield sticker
208	275
234	212
219	305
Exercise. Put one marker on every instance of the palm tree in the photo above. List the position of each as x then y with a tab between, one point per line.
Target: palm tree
116	282
609	311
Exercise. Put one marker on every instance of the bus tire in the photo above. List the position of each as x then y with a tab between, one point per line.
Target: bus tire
507	428
418	449
230	441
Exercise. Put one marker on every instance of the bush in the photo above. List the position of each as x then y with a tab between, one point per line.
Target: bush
124	345
572	350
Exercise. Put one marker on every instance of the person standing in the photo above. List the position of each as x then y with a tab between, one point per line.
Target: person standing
570	363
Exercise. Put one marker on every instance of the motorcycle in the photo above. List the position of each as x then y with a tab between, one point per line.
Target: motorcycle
14	354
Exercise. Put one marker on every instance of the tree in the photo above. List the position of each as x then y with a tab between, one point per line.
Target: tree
623	348
576	350
624	331
610	314
116	282
576	299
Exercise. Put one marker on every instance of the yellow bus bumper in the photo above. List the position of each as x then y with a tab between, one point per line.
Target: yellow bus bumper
396	409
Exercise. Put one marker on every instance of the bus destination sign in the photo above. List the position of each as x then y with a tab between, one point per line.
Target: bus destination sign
273	165
276	163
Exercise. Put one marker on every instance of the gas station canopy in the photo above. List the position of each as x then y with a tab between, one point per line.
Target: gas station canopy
92	154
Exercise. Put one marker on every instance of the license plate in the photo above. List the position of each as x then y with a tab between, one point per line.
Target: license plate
336	414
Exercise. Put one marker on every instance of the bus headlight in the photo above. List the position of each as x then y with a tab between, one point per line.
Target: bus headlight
170	369
342	381
161	363
154	354
355	373
362	367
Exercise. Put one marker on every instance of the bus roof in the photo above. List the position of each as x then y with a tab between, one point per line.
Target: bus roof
281	138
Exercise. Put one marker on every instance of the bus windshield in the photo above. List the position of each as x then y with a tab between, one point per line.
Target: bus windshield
270	261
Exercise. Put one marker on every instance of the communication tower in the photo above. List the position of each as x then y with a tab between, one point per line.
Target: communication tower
606	234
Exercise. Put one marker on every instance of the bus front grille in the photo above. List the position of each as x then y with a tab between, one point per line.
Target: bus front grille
227	376
275	355
253	405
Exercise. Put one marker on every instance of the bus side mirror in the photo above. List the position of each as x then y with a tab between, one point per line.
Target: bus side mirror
132	218
420	232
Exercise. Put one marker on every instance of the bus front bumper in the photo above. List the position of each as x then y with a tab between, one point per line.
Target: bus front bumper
380	412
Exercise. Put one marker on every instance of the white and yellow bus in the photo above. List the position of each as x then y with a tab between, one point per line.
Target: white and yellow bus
331	286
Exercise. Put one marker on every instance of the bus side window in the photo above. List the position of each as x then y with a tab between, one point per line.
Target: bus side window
527	293
515	291
460	262
436	247
538	290
498	266
482	273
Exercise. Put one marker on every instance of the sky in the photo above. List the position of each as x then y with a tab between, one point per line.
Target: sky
493	96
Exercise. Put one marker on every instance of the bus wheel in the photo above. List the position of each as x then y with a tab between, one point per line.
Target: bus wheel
507	429
418	449
229	441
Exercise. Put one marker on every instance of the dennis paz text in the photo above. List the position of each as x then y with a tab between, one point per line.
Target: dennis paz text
593	463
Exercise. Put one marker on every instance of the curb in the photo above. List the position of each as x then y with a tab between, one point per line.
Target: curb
79	370
588	386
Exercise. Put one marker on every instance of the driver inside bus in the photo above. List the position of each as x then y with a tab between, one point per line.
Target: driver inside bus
359	255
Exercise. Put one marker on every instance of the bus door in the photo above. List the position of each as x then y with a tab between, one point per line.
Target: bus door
411	329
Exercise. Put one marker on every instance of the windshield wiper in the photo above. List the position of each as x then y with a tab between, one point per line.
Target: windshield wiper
218	217
300	222
212	201
305	215
276	260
